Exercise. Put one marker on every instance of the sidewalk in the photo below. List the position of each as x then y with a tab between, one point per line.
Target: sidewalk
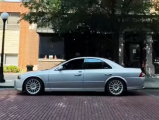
7	84
9	80
150	83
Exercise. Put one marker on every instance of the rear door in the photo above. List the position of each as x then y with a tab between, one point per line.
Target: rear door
95	74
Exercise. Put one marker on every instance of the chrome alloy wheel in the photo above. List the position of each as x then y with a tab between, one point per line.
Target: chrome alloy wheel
33	86
116	87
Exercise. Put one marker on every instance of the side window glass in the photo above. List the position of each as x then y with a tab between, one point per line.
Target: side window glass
92	63
106	66
74	65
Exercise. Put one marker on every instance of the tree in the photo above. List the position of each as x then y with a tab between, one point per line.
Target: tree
95	16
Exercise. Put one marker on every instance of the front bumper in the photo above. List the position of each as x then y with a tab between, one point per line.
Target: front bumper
18	84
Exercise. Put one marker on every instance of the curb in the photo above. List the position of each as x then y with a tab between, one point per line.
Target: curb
6	86
151	88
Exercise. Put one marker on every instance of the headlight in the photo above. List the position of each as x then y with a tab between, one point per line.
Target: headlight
18	77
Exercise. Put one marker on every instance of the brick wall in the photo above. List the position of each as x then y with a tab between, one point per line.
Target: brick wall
47	64
29	40
32	47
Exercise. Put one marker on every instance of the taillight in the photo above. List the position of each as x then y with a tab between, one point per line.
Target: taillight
141	74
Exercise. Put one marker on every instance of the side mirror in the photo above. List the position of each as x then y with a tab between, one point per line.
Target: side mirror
60	68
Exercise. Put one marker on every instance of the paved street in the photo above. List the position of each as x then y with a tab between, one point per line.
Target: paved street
79	106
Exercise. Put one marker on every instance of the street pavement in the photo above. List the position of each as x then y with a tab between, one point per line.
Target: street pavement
135	105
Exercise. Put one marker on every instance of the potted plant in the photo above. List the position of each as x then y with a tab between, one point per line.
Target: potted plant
29	67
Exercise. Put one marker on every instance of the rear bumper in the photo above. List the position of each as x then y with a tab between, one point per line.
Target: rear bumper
137	84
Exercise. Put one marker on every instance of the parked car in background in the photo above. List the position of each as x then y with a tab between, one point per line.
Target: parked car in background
82	74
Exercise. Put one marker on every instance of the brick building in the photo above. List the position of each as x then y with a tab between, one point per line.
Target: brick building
25	44
21	42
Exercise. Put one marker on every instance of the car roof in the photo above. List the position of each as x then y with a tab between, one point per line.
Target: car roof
88	57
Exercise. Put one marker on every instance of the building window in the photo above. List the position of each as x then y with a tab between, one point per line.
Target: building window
10	0
10	59
12	22
51	45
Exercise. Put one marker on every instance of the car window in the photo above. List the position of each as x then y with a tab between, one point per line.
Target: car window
76	64
92	63
57	64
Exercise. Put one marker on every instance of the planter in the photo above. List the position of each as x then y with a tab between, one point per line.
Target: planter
29	68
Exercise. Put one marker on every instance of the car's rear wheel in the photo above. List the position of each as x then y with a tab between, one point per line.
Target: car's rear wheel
116	87
33	86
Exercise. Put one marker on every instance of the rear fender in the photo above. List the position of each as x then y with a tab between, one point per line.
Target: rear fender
118	77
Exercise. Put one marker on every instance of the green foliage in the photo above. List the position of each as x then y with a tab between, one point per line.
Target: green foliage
11	69
92	15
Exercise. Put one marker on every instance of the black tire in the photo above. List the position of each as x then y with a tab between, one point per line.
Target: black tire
110	92
39	87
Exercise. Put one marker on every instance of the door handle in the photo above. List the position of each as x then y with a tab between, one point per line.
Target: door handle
108	74
78	74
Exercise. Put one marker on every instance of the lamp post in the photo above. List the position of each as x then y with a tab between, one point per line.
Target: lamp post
4	17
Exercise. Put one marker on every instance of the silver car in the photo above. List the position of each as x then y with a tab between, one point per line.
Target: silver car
82	74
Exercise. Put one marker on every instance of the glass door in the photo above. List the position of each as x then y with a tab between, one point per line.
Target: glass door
135	55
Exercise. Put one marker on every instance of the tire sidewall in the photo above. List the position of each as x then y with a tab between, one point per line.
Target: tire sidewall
41	87
107	88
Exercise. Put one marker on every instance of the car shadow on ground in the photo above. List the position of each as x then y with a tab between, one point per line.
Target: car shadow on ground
128	93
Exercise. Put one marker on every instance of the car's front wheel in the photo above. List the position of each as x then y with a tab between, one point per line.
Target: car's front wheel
116	87
33	86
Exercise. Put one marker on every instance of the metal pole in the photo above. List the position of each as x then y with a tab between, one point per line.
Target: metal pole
2	53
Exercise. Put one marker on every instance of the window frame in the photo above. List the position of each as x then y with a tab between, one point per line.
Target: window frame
74	60
85	66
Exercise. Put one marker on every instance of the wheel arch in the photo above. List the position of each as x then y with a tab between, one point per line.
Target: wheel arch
23	89
116	77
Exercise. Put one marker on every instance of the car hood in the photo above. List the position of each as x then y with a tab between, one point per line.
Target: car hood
35	72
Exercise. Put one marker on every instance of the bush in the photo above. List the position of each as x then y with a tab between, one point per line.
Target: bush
13	69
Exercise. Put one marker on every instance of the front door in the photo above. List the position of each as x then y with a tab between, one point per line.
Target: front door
70	78
96	73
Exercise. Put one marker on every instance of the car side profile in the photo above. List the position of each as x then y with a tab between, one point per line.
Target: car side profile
82	74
